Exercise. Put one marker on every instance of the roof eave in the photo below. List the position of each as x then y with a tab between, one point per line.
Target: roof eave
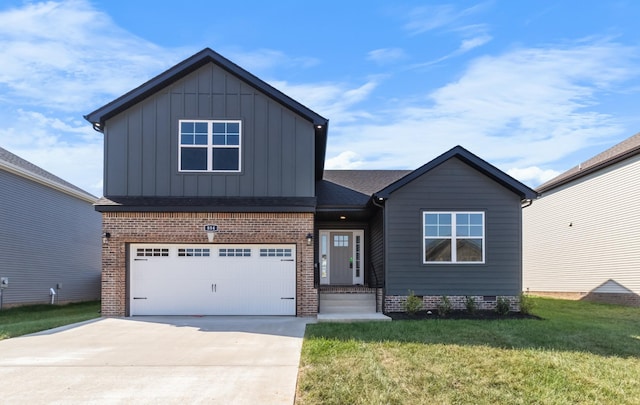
46	182
592	169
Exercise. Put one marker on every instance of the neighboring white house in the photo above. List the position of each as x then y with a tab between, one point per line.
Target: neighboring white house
50	236
581	238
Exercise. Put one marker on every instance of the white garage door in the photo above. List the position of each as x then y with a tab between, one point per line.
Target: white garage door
212	279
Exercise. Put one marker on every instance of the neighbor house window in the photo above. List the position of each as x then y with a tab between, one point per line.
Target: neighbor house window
209	146
453	237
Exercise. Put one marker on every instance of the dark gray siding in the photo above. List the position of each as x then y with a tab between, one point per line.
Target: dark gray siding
453	186
47	237
141	144
376	251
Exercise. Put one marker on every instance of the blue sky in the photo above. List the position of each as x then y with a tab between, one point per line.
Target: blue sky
534	87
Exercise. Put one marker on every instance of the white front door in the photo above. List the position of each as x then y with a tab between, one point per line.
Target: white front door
341	257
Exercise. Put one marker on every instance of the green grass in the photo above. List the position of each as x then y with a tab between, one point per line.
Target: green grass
579	353
17	321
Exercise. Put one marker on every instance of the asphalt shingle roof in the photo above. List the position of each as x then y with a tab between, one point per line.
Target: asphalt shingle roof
353	187
11	159
623	150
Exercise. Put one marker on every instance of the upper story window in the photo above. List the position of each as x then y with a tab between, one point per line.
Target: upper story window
453	237
210	146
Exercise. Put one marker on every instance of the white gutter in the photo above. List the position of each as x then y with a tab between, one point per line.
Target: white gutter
11	168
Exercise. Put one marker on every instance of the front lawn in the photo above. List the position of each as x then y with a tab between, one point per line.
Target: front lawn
579	352
17	321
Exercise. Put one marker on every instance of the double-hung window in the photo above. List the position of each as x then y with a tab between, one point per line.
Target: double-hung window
453	237
210	146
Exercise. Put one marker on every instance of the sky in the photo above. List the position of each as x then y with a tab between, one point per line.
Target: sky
534	87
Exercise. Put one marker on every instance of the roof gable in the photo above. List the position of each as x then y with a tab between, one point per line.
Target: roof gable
21	167
191	64
470	159
621	151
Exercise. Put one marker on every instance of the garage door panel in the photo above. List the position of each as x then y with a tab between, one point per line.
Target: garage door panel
213	280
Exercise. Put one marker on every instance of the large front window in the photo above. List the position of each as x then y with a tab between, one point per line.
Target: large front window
209	146
453	237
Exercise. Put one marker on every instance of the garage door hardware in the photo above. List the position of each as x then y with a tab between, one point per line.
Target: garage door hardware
287	298
138	260
214	287
139	298
286	260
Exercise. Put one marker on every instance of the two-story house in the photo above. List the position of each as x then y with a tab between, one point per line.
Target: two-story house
216	202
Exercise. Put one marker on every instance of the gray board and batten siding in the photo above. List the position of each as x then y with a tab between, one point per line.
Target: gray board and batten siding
453	186
47	237
277	145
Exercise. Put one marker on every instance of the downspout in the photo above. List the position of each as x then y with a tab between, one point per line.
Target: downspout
374	201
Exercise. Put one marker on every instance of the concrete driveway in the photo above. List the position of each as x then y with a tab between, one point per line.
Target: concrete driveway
145	360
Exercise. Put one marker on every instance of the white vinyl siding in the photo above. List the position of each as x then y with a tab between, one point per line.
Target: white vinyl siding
584	235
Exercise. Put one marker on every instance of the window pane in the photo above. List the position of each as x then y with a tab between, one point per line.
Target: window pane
444	219
219	140
445	230
469	250
219	128
193	159
186	139
437	250
431	231
226	159
462	219
201	139
201	127
475	219
233	140
462	230
475	230
233	127
187	127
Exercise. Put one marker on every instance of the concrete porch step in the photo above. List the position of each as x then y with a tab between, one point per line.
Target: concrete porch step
353	317
335	303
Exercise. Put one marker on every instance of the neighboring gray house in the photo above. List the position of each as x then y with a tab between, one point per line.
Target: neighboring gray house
50	236
217	203
581	237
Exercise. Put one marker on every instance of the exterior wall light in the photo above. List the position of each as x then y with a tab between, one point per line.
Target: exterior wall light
309	239
105	237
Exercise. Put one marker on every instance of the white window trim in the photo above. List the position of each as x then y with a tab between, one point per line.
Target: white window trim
453	237
210	146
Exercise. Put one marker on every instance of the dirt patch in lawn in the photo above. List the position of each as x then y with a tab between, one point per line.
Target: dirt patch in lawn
486	315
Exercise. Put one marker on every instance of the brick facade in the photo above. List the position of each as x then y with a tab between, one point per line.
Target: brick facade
181	227
394	303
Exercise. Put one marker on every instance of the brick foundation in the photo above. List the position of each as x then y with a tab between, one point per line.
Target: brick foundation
185	227
394	303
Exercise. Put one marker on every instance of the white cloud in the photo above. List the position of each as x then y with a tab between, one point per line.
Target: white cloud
60	147
523	108
264	59
336	101
428	18
385	56
533	175
68	56
469	44
346	160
